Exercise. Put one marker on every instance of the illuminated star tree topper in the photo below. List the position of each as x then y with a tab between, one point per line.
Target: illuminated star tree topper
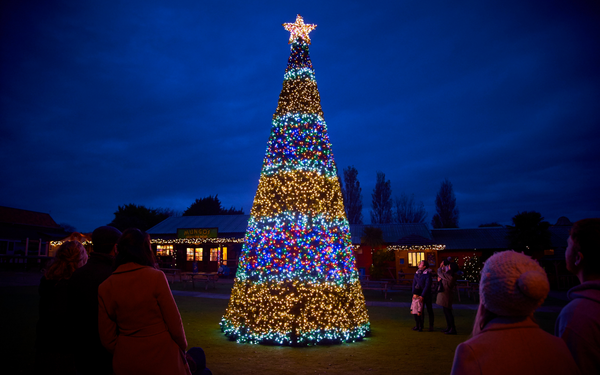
299	29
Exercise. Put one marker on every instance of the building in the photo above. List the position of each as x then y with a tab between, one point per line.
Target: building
199	243
203	243
25	236
469	247
406	258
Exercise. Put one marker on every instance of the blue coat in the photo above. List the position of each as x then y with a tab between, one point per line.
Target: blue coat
422	283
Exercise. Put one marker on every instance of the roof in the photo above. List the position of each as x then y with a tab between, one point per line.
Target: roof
414	240
391	232
25	217
20	232
472	238
224	223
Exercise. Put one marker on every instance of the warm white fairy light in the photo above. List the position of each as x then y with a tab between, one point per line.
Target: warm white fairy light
416	247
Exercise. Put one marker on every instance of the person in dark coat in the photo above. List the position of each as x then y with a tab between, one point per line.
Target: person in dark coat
53	343
91	357
422	287
447	280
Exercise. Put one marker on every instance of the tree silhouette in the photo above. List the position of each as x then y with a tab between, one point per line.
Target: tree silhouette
352	193
381	204
141	217
408	211
210	206
529	234
445	205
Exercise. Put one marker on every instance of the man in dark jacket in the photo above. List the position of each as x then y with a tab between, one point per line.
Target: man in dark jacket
422	287
90	356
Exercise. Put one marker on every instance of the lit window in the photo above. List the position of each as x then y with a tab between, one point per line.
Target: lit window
163	250
199	254
224	255
415	258
190	254
214	255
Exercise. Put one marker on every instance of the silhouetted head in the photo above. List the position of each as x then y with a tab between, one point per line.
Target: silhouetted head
134	246
583	251
105	238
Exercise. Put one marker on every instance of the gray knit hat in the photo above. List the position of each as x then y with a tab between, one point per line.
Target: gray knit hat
512	284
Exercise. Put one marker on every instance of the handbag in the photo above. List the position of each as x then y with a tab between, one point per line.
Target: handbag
440	288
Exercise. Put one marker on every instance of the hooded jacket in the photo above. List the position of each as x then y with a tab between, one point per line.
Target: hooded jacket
579	326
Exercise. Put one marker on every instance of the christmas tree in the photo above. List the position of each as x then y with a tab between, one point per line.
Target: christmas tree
296	282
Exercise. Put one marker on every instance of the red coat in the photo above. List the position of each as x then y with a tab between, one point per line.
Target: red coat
139	322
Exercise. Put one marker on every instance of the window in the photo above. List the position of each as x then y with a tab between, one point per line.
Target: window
214	255
415	258
162	250
190	254
224	255
199	254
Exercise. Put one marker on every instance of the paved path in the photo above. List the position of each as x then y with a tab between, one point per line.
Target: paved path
369	303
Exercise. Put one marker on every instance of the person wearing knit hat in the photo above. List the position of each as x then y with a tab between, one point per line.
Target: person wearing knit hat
512	284
506	340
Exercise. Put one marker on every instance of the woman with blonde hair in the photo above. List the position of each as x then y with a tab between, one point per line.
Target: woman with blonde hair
506	339
53	340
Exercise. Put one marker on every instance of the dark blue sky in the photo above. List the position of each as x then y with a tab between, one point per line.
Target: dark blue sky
161	102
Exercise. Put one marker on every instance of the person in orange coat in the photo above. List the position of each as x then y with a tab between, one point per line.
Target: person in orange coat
138	319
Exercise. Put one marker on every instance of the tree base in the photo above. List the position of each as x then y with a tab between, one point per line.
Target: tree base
296	313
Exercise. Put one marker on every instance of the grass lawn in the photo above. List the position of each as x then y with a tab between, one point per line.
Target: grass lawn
392	347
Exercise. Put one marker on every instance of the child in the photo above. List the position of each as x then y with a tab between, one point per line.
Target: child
416	308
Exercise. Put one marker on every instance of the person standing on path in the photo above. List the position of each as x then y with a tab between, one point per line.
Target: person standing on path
422	287
90	356
579	322
446	287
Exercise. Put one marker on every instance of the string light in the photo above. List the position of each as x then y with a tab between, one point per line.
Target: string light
416	247
197	241
58	243
296	282
472	266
